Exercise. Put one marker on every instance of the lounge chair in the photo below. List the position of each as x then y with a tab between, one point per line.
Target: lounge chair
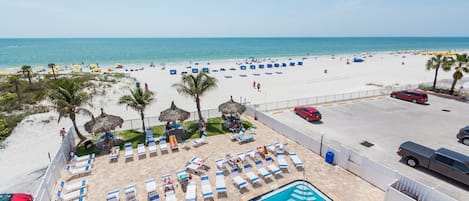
163	144
71	195
251	154
241	156
270	147
220	164
200	141
262	171
238	180
130	193
245	138
129	153
191	192
152	148
235	136
206	187
83	158
78	171
220	182
141	150
114	153
73	186
173	143
168	187
297	161
170	196
82	163
282	163
113	195
281	146
272	167
150	185
251	176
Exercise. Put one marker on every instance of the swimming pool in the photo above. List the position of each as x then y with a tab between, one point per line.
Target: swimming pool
294	191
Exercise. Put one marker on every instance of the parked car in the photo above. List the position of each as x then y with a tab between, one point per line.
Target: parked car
411	95
444	161
16	197
308	113
463	135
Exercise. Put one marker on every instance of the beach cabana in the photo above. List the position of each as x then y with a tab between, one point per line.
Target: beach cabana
173	113
195	70
261	65
292	63
242	67
172	72
276	65
205	70
284	65
103	123
252	66
231	107
358	59
300	63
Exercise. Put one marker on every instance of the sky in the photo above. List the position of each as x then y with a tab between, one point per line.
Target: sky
232	18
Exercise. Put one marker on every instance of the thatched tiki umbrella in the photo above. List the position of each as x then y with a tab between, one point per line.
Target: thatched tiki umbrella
231	107
103	123
174	114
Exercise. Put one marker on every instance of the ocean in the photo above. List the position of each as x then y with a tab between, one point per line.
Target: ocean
107	51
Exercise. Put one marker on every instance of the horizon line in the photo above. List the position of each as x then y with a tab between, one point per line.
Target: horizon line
228	37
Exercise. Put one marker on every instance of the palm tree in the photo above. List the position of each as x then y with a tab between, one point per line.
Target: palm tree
461	65
138	100
15	81
27	70
67	99
52	66
436	63
195	87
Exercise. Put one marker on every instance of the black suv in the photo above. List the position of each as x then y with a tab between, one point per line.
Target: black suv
463	135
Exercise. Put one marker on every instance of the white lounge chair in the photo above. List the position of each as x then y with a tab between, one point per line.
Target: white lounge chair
150	185
297	161
191	192
206	187
152	148
241	156
200	141
270	147
282	163
78	171
82	163
220	182
163	144
130	193
238	180
67	187
262	171
114	153
72	195
251	154
253	178
272	167
83	158
113	195
170	196
129	153
220	164
281	146
141	150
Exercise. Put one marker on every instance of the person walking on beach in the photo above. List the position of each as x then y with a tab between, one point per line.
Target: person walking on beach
254	84
62	133
258	86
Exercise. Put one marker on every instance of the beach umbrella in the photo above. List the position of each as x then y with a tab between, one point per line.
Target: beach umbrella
103	123
231	107
174	114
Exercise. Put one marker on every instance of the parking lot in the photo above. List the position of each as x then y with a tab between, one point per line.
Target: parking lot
386	123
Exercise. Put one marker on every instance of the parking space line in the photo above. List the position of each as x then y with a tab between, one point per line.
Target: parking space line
356	101
277	112
327	105
342	103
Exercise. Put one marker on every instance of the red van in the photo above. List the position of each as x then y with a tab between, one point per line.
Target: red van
411	95
16	197
308	113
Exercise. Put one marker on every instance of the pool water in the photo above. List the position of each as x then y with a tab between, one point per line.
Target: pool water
295	191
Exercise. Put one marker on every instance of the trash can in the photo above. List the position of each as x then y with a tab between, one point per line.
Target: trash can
330	157
137	84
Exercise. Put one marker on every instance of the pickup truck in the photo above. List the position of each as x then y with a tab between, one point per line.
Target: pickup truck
444	161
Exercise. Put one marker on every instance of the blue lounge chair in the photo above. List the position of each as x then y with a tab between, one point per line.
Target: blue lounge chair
242	67
269	65
238	180
172	72
284	65
245	138
276	65
261	65
205	70
220	182
300	63
195	70
292	63
252	66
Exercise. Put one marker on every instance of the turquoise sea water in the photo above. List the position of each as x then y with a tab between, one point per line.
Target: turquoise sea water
17	52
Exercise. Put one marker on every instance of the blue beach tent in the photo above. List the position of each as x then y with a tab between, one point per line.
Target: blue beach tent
269	65
300	63
195	70
277	65
242	67
358	59
284	65
252	66
205	70
292	63
172	72
261	65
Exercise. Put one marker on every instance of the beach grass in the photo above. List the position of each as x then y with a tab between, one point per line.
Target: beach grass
214	127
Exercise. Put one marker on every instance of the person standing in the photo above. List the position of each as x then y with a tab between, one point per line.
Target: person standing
258	86
254	84
62	133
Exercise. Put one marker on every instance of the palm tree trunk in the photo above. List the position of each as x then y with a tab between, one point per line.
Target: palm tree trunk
53	73
197	102
82	137
17	89
143	120
452	86
434	80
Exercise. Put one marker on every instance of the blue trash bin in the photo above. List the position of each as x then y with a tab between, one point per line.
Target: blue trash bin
330	157
137	84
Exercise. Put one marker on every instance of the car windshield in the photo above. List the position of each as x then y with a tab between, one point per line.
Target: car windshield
315	113
425	95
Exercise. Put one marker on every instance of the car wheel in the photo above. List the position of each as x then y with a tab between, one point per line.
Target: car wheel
412	162
414	101
465	141
394	96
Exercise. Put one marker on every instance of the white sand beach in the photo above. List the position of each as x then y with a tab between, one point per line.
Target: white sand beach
28	147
